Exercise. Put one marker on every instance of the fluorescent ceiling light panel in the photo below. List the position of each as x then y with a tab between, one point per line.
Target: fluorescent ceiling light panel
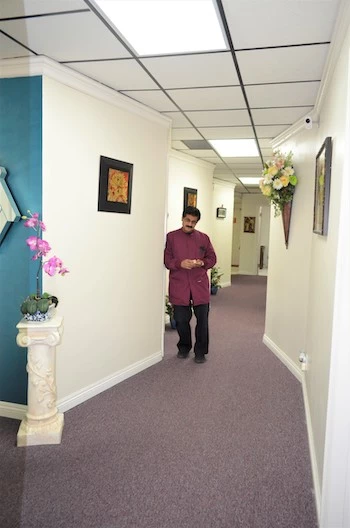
235	148
160	27
250	181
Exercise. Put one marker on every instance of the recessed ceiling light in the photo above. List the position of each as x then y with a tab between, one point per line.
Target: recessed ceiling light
250	181
235	148
160	27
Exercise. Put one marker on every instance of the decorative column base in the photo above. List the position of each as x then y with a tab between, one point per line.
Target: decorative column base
40	434
43	424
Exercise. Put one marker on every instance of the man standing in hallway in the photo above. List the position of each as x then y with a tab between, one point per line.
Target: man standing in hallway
188	255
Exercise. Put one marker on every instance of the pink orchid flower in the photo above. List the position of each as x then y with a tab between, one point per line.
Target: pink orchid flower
43	246
32	243
50	267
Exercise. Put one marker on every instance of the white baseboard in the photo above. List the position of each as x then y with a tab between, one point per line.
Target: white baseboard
283	357
314	467
225	284
12	410
92	390
297	372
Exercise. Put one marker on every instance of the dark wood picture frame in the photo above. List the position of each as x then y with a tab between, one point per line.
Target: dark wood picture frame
322	187
221	212
249	224
190	197
115	186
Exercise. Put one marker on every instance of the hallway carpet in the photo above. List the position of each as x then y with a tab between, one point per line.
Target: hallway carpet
180	445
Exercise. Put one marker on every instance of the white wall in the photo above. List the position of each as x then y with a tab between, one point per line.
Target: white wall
236	229
265	232
223	196
112	299
187	171
249	242
308	296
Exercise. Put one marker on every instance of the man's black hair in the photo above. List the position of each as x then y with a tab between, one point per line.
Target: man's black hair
193	211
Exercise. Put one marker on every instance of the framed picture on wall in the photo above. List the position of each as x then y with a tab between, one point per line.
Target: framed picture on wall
190	197
322	187
249	224
221	212
114	195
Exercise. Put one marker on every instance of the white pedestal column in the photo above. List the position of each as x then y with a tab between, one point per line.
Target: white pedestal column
43	424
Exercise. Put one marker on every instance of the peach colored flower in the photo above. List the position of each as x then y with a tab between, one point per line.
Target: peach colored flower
284	180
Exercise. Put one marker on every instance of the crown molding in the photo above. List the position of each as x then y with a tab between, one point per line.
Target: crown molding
43	66
341	28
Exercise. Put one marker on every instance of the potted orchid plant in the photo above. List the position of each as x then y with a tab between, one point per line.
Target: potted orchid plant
36	306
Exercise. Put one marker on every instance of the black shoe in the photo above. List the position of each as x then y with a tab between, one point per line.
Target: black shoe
182	355
200	359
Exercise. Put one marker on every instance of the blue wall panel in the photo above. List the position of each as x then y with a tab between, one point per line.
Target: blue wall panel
21	155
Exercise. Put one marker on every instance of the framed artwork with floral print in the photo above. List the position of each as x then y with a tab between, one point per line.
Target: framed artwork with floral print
115	186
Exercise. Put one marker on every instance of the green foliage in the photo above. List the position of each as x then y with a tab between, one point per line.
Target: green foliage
215	277
169	309
34	303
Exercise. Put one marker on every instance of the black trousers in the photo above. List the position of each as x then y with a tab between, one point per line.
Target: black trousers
183	316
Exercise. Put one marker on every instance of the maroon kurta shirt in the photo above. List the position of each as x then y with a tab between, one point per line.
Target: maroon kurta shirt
194	283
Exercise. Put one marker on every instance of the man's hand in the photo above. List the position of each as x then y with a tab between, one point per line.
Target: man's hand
190	264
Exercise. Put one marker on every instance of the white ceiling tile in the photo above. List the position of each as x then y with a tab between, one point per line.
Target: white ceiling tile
212	159
208	98
154	98
185	133
279	116
302	63
178	119
244	161
227	132
10	49
270	130
265	143
122	74
16	8
178	145
293	94
57	37
219	118
193	70
279	22
247	169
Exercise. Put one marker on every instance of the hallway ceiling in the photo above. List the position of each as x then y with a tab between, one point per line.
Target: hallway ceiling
266	80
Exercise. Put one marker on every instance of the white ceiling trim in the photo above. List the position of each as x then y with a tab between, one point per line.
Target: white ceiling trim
31	66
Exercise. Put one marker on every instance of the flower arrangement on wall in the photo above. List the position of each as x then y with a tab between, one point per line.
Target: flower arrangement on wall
278	180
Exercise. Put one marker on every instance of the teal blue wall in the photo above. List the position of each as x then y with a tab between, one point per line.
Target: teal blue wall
21	155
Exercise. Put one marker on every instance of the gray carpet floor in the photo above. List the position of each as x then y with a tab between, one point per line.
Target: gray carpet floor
180	445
